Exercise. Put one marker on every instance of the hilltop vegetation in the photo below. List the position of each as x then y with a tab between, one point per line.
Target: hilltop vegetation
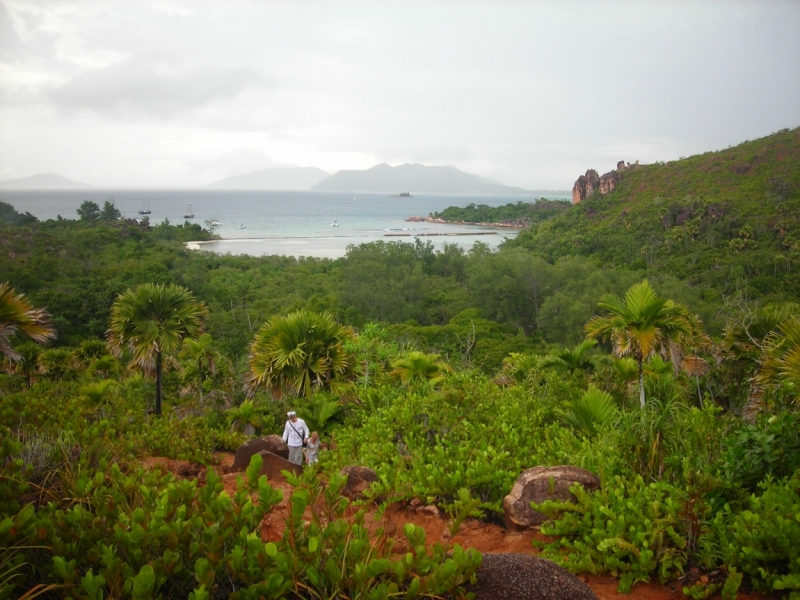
717	220
523	212
672	374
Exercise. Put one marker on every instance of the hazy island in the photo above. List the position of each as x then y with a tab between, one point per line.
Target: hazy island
421	178
42	181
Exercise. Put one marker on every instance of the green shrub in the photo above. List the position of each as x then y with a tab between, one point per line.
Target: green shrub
629	529
763	540
141	534
470	434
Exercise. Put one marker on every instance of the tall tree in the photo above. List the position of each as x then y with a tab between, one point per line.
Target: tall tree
88	211
110	212
300	351
151	320
641	324
17	315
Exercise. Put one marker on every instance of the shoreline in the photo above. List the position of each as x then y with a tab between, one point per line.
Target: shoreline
197	245
440	221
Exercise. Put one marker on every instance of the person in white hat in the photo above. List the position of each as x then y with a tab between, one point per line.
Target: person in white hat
295	434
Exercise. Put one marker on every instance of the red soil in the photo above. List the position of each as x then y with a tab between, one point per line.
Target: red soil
484	537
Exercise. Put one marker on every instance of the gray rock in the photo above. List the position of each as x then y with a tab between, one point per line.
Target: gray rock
358	480
524	577
269	443
539	484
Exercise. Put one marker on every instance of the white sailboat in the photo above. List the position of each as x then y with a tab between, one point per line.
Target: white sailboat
335	220
189	211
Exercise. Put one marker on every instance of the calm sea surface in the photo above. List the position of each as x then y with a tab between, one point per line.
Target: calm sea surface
293	223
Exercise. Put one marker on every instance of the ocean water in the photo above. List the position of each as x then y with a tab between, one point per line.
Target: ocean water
292	223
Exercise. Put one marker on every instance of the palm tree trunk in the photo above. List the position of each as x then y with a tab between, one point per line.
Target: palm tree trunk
699	395
158	384
641	384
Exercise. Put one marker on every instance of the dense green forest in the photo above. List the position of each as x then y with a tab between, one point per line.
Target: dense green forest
650	336
522	212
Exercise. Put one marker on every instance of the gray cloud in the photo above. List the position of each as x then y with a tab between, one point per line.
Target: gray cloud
10	42
530	93
149	85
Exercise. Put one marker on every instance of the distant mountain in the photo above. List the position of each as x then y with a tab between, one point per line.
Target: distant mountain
415	178
279	178
43	181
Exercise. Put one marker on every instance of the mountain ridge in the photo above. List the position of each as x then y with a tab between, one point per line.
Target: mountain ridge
276	178
414	177
43	181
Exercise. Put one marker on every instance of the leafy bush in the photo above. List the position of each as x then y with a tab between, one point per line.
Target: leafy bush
471	434
769	448
140	534
630	529
761	541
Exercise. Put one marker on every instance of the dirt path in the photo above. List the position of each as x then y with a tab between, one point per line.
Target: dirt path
484	537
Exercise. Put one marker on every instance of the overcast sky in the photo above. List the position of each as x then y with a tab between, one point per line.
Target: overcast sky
170	93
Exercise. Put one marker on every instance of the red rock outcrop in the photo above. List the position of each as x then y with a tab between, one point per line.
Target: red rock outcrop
587	184
609	181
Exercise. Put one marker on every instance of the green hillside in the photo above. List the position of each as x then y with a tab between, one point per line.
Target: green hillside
720	220
529	212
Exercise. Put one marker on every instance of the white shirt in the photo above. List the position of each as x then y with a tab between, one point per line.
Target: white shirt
292	437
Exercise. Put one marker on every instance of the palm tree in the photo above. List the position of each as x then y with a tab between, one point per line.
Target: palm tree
17	315
97	392
626	370
418	366
641	324
298	352
90	350
780	362
573	361
517	367
245	418
761	338
56	362
201	361
321	415
28	365
105	367
151	321
695	366
591	412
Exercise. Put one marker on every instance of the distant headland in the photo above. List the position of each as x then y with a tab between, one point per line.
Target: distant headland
421	178
42	181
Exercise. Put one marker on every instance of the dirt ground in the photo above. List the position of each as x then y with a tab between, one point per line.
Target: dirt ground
484	537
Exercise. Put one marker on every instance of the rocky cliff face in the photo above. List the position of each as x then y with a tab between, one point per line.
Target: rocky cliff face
586	185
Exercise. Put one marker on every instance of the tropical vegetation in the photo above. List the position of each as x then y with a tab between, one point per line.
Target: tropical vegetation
667	365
